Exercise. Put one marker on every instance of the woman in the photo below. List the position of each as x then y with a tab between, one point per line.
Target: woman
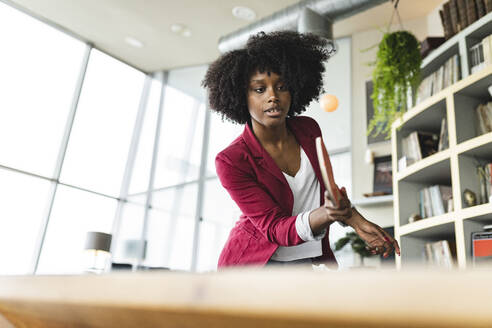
271	171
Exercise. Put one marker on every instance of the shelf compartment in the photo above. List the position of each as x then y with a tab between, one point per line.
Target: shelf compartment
409	199
426	227
413	244
435	168
476	32
424	113
466	101
436	59
468	175
477	218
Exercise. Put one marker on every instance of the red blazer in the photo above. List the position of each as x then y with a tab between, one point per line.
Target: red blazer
262	193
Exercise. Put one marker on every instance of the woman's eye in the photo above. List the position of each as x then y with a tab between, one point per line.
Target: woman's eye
282	87
259	90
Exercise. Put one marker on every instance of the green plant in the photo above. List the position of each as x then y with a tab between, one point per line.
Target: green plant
358	245
397	70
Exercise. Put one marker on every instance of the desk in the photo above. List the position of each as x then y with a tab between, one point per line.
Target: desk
256	298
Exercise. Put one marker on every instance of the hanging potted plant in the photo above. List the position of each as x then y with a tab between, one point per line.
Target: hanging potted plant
396	76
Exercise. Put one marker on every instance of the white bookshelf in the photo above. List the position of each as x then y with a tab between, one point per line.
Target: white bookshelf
374	201
454	166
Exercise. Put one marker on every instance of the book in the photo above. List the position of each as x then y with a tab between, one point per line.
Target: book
485	180
488	5
456	68
443	136
429	44
446	8
445	25
427	203
485	50
480	8
471	12
484	118
327	173
439	253
436	201
455	19
462	13
488	182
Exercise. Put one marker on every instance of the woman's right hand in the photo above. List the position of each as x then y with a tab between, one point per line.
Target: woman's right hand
340	213
325	215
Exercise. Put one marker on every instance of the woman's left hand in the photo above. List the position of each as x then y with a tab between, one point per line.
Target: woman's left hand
378	240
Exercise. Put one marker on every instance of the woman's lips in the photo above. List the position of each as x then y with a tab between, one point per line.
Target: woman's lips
273	112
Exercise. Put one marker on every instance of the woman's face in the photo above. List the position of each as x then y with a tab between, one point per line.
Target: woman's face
268	99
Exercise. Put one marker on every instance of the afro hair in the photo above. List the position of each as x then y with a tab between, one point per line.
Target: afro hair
297	58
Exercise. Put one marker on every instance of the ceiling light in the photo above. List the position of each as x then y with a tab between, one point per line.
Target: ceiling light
243	13
175	28
186	32
134	42
181	29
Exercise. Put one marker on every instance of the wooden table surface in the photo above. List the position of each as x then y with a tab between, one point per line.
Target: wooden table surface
251	298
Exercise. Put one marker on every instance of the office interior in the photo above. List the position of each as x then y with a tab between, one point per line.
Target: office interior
105	131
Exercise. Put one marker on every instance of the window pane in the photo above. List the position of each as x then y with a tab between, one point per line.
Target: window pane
100	139
74	213
180	140
221	135
213	236
171	227
227	213
130	231
141	170
216	225
20	224
39	68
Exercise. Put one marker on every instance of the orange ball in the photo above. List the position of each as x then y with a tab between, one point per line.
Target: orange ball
328	102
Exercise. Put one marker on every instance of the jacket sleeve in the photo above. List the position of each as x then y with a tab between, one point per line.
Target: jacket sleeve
256	203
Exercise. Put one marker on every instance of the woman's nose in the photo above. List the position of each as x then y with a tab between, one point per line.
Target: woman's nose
272	95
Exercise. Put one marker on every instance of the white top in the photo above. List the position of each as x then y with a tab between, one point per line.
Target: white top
305	188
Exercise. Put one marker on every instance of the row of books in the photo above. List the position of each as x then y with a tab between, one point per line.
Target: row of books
484	118
440	253
458	14
419	144
481	54
436	200
446	75
485	177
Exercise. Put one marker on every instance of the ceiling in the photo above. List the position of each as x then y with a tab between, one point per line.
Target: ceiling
106	23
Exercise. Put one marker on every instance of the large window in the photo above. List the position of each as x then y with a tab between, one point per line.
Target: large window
100	139
23	203
39	67
74	213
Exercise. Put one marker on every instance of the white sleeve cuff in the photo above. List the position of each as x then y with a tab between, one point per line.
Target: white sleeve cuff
304	229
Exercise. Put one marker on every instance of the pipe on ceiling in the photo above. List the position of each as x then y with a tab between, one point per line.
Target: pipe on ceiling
287	19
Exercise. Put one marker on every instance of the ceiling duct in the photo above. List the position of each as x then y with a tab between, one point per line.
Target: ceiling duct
312	22
288	19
